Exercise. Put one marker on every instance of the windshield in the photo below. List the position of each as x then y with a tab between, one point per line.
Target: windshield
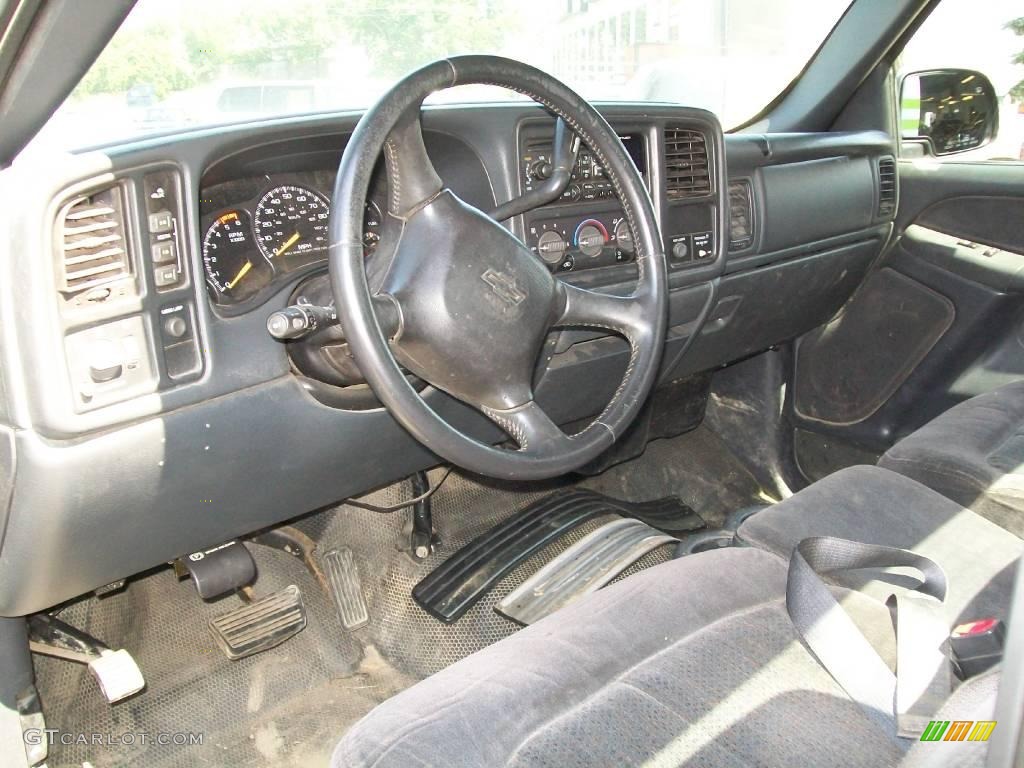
184	63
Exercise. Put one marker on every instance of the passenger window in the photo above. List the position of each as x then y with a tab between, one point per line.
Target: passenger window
946	108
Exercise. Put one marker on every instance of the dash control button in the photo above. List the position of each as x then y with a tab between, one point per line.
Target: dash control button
175	326
681	249
165	276
163	252
703	245
107	362
161	221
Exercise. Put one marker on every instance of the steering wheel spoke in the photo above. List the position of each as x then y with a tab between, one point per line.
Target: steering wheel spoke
533	430
589	309
412	178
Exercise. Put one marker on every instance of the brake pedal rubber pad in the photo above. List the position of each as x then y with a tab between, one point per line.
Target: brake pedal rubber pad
346	588
261	624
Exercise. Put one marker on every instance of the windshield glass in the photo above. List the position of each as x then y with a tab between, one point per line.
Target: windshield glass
183	63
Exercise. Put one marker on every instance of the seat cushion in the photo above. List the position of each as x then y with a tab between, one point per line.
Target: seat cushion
972	454
693	662
876	506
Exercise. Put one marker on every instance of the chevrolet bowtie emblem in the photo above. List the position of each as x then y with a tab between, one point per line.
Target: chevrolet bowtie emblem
504	287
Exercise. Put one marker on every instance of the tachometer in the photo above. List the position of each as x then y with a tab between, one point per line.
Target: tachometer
234	266
291	225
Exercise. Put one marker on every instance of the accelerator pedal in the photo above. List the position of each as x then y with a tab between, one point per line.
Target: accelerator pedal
346	588
457	584
261	624
583	568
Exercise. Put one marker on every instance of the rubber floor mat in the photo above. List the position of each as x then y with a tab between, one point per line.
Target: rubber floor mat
266	709
290	705
451	589
585	567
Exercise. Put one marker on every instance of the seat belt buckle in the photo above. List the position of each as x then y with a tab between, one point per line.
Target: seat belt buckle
977	646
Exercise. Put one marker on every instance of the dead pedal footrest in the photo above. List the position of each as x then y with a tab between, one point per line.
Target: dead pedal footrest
261	624
346	588
455	586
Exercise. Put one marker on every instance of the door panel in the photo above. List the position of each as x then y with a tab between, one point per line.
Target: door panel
939	320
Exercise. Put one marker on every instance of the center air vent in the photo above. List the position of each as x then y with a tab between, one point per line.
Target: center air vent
687	171
741	217
886	187
94	249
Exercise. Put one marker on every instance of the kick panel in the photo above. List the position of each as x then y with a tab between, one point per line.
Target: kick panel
877	341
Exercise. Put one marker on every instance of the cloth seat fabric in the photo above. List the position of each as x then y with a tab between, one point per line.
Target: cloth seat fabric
876	506
692	662
972	454
695	662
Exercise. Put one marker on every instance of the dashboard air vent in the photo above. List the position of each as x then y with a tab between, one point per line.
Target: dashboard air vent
886	187
94	249
687	171
741	217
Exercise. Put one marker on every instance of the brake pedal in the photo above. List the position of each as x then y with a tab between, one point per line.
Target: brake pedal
261	624
346	588
115	671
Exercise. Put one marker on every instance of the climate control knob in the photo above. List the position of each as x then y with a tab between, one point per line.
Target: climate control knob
551	247
624	237
590	240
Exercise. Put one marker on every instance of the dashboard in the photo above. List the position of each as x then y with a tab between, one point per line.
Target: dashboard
141	278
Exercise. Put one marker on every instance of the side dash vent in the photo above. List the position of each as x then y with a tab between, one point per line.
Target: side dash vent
886	187
687	170
741	216
94	249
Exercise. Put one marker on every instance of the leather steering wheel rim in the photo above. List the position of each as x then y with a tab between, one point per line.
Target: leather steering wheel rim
466	290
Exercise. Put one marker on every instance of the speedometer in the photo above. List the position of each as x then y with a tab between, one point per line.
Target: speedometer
291	225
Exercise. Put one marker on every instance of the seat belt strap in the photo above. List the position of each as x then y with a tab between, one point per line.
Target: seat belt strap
924	670
899	702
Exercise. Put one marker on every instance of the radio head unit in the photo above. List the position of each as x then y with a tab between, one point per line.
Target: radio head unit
589	182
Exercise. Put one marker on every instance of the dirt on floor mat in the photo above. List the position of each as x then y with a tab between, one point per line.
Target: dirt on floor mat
697	467
287	706
290	705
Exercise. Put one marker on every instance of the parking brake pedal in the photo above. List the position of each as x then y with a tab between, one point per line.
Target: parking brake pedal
115	671
218	570
261	624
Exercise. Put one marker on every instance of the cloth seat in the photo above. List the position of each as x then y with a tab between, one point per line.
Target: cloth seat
696	662
692	662
972	454
876	506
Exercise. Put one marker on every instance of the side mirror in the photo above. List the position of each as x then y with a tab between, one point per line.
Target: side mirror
953	110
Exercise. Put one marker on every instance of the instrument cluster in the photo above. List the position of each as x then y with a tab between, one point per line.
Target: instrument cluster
259	231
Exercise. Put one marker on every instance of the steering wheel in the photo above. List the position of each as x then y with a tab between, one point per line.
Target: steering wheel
473	303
